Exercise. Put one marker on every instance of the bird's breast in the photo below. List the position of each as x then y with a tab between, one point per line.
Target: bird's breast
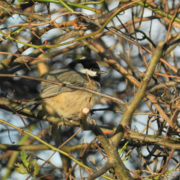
69	104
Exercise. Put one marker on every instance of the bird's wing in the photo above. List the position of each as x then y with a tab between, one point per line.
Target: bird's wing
61	76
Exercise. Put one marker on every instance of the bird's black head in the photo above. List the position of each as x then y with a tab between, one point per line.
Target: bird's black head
88	67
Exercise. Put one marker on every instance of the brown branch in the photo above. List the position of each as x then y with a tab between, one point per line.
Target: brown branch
168	142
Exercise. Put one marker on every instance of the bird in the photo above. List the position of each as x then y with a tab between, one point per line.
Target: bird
59	100
65	102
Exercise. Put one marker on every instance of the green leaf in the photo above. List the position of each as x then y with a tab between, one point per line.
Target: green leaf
24	159
21	169
36	167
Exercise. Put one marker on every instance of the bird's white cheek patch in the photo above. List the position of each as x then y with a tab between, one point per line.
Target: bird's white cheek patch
89	72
